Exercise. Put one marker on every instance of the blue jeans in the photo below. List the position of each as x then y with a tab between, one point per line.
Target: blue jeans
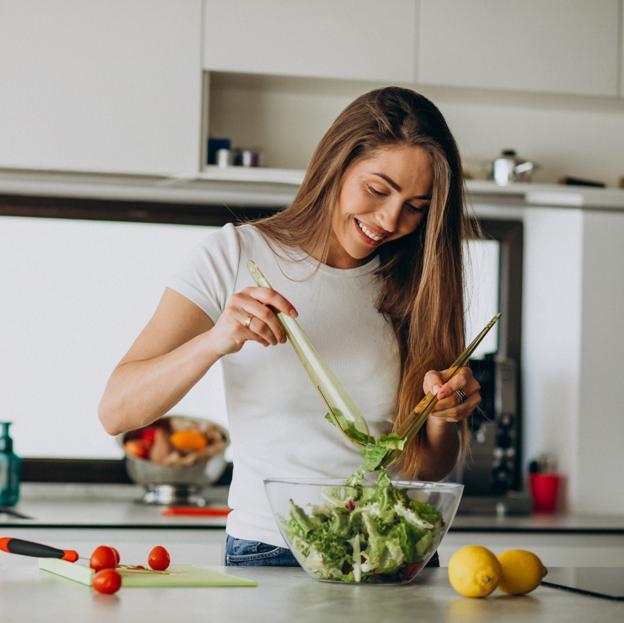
243	553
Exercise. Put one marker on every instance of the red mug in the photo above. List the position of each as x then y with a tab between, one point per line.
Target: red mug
545	492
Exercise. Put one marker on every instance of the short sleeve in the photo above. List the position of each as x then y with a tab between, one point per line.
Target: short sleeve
208	276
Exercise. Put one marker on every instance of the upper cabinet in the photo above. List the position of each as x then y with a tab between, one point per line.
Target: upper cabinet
554	46
103	86
352	39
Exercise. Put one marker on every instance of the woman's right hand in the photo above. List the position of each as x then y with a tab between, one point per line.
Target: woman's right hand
251	314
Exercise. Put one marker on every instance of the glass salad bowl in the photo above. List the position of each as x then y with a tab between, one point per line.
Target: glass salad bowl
365	530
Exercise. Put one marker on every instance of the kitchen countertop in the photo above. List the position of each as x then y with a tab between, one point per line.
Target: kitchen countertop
284	594
259	186
114	506
103	506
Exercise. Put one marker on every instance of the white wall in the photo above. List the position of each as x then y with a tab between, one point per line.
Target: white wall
75	294
482	292
600	430
566	135
572	340
551	338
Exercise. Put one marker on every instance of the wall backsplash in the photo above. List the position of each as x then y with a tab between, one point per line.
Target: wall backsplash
566	135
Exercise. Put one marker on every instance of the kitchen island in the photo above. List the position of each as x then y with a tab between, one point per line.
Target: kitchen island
74	516
283	594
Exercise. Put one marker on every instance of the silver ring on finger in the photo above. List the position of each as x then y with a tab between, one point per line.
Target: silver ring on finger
248	321
462	396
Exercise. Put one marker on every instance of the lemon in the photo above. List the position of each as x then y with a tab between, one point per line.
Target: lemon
474	571
522	571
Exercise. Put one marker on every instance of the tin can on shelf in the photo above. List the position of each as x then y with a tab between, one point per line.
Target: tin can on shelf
247	157
214	144
224	157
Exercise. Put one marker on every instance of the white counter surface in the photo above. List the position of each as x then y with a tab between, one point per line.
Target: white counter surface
84	517
284	594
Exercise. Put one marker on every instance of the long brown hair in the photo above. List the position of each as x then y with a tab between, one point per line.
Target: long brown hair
422	291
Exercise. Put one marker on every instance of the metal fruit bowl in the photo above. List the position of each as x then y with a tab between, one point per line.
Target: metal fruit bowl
168	484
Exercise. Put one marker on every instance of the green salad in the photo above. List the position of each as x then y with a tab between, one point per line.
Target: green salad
364	533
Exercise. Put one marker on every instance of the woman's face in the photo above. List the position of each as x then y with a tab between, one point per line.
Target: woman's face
383	197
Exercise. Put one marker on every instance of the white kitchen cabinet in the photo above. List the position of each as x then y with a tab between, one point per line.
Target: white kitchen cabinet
558	46
100	86
353	39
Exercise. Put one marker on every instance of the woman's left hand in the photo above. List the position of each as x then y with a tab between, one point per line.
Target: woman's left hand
451	405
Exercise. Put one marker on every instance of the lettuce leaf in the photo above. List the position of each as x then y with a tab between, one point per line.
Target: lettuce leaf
361	532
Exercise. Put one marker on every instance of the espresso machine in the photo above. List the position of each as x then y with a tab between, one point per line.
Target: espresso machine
492	471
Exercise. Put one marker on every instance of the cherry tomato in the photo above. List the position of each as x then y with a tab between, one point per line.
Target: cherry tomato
147	435
117	557
158	558
106	581
103	557
137	448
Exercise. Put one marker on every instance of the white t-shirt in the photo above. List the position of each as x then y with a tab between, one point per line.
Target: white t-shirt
275	415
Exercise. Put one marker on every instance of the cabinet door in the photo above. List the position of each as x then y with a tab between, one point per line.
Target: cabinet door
358	39
95	85
558	46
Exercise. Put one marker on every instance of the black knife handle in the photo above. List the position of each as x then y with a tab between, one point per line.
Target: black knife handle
38	550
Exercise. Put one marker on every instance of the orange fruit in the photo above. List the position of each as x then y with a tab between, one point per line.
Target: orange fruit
188	441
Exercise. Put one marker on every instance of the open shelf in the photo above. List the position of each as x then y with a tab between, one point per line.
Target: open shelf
268	175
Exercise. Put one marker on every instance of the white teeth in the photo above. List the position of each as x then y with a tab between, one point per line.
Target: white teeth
368	232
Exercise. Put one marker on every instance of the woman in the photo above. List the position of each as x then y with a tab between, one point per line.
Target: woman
370	256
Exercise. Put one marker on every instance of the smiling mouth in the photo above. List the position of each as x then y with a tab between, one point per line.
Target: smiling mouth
367	234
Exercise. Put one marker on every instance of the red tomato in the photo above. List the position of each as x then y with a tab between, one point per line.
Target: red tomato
117	557
103	557
106	581
147	435
158	558
136	447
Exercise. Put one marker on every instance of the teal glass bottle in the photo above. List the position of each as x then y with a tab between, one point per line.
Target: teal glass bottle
10	465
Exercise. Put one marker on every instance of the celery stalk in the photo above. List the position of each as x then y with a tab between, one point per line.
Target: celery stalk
341	407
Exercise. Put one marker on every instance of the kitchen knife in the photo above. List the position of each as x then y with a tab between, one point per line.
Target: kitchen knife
38	550
13	513
195	510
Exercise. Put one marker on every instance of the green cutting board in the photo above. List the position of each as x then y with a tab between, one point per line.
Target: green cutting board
174	576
